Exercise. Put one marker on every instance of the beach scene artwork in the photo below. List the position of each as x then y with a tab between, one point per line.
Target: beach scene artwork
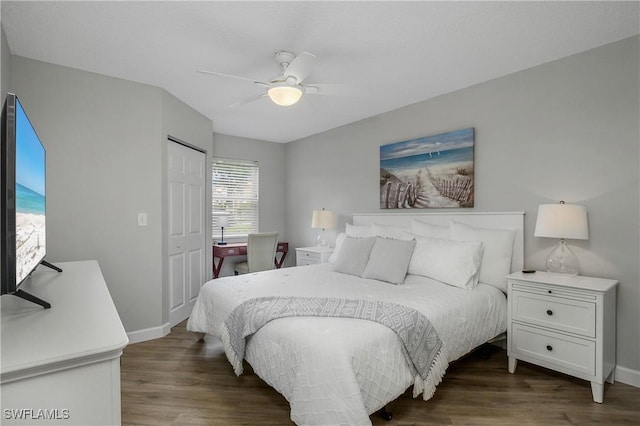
30	198
428	172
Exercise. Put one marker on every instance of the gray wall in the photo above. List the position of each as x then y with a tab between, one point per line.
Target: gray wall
271	159
564	130
5	65
106	151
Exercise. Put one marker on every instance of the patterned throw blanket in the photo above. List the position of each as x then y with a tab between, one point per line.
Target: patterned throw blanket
421	345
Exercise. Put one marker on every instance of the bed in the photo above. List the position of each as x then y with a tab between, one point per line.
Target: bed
339	369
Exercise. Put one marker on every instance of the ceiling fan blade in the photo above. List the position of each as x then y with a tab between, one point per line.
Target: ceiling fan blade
232	76
300	67
329	89
247	100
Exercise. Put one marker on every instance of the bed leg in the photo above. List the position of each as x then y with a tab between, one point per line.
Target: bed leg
199	336
384	413
485	352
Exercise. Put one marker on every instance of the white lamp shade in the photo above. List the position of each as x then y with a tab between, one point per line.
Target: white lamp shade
222	218
562	221
324	219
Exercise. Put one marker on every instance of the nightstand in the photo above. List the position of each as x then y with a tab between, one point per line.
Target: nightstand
312	255
564	323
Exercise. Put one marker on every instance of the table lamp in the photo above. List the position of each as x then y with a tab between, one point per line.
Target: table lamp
564	221
223	221
323	219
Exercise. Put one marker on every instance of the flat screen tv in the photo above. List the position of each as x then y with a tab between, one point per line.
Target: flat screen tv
23	197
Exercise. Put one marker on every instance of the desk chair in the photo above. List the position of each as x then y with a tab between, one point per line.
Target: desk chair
261	252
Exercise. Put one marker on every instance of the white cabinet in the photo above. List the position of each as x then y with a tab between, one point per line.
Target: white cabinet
62	365
312	255
564	323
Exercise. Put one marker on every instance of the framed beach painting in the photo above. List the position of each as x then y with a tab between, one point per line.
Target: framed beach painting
429	172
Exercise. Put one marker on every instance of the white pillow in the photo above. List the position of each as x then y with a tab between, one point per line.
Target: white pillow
358	231
339	240
429	230
498	247
389	260
389	231
452	262
354	255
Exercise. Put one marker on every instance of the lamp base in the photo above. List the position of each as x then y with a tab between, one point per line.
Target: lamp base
322	240
222	242
562	260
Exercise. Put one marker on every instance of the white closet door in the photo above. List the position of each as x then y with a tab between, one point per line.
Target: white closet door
186	198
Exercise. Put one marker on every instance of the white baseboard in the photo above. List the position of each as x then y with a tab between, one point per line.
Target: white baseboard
148	333
627	376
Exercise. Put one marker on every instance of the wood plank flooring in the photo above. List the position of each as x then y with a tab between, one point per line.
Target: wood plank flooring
178	380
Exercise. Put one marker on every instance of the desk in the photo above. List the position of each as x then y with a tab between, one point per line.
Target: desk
240	249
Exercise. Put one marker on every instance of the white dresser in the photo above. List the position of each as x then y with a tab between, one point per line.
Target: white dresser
312	255
62	365
564	323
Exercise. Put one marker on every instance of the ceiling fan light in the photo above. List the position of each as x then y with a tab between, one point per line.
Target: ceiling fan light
284	94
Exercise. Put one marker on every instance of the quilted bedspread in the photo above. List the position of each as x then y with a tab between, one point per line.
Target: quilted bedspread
336	371
420	342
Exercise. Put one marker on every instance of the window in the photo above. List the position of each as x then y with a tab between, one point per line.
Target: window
235	193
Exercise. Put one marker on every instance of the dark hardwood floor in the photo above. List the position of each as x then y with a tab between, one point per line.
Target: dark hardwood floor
178	380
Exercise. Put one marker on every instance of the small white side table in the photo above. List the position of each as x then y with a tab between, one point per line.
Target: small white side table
312	255
564	323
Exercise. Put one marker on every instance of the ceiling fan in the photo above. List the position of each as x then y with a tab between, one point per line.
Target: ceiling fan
286	88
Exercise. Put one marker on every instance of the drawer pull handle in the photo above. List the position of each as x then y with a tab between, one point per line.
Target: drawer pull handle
549	348
549	291
549	312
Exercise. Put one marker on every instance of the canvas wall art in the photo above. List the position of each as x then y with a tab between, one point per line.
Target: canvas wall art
429	172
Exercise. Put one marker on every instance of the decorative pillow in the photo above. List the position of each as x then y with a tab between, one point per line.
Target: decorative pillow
389	231
339	240
429	230
498	246
389	260
354	255
358	231
452	262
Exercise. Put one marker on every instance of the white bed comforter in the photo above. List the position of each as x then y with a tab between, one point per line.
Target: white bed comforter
336	371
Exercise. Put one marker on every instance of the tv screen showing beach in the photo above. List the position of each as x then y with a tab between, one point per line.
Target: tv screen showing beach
30	197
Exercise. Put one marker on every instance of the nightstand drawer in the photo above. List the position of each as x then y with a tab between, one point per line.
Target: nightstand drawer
551	290
556	350
307	256
312	255
562	314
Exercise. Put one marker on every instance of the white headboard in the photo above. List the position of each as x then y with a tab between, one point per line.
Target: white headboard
500	220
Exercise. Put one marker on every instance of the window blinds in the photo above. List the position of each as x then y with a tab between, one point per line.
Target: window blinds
235	194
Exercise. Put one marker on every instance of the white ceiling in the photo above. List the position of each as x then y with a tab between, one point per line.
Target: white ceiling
391	53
